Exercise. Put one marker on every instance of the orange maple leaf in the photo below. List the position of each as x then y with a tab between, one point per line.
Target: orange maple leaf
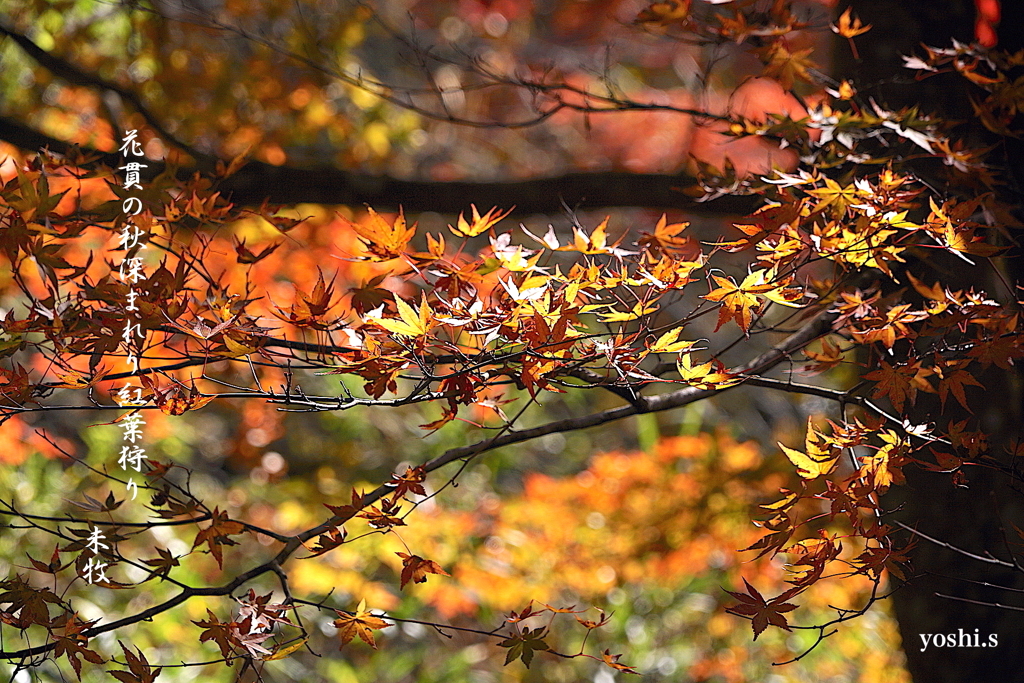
666	240
664	13
613	661
384	241
897	382
953	380
359	623
415	569
850	27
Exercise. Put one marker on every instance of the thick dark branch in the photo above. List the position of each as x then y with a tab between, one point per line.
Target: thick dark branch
31	140
257	182
279	184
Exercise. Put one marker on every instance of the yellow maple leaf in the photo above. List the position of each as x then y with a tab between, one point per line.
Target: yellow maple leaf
594	243
287	650
883	468
817	460
410	323
667	343
835	195
479	224
638	311
850	26
787	67
710	375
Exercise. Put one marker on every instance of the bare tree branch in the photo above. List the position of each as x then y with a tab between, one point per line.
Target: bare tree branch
67	71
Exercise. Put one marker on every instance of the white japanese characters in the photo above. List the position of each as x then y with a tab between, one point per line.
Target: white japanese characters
130	270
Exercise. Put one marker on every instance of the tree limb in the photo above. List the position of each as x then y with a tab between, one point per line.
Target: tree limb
257	182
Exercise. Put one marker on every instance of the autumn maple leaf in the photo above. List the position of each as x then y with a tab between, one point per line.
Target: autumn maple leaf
139	669
71	379
850	27
780	528
162	565
261	613
884	467
415	569
763	612
359	623
875	559
383	517
247	256
613	661
953	380
514	617
707	376
29	603
785	66
664	13
524	644
740	301
72	644
594	243
479	223
666	240
590	624
218	631
347	512
382	240
829	357
412	322
175	399
895	382
669	343
834	195
817	459
409	482
329	540
51	567
216	535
